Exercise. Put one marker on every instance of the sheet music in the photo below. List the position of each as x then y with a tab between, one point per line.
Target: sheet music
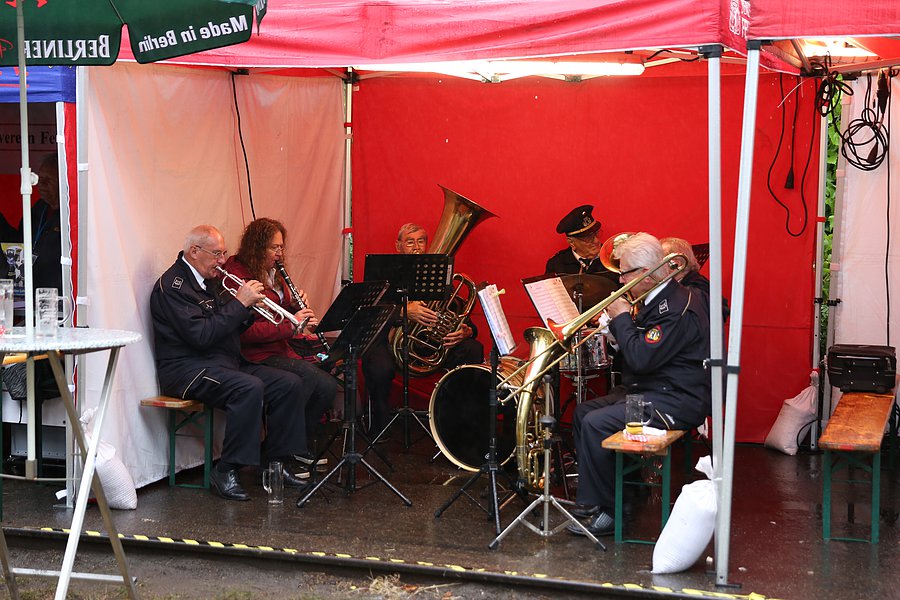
489	296
552	300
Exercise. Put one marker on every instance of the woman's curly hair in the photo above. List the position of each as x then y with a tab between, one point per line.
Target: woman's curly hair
255	242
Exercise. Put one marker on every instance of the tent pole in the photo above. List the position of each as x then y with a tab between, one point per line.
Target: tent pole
27	177
742	225
837	252
716	342
820	243
349	82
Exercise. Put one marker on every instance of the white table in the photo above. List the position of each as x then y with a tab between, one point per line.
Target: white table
72	341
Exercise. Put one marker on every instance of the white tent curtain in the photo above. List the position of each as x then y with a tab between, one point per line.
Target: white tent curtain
867	208
164	154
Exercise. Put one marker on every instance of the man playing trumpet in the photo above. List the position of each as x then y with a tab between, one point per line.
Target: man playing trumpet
197	323
662	349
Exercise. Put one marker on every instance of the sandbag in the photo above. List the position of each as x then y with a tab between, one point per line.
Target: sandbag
690	526
796	414
118	485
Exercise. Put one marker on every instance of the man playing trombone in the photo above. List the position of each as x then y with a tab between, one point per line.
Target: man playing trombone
197	322
663	348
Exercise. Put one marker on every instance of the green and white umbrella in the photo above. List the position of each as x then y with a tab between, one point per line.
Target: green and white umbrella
89	32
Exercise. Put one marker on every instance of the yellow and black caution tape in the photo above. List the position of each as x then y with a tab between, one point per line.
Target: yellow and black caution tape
418	567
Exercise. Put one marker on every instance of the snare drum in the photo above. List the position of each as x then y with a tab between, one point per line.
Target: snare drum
593	353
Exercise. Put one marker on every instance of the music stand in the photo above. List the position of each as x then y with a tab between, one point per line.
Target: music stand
351	298
355	339
501	341
411	277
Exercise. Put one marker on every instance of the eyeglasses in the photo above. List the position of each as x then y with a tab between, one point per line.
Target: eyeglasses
216	253
277	248
629	271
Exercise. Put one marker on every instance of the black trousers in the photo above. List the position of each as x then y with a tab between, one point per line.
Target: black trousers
247	394
319	390
596	420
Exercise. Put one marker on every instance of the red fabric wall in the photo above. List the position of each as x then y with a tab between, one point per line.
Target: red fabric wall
636	148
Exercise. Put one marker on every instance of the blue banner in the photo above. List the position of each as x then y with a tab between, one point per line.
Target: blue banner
45	84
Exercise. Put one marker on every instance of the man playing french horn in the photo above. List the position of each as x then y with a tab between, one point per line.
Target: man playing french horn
662	348
378	363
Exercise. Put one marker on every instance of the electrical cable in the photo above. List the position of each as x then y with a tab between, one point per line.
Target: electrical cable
787	210
865	141
887	100
237	112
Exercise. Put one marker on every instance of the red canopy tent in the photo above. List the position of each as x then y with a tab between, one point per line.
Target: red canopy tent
398	161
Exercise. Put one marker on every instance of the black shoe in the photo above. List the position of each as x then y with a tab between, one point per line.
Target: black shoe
602	524
584	511
227	485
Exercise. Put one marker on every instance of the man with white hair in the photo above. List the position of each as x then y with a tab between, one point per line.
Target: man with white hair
662	348
197	325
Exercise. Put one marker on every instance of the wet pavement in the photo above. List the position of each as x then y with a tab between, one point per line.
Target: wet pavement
776	551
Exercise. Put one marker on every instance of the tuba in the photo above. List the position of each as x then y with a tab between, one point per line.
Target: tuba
426	346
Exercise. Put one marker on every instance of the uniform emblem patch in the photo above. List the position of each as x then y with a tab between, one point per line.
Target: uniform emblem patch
664	306
653	336
177	283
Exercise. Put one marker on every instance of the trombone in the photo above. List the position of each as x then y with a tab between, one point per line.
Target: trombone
564	333
271	311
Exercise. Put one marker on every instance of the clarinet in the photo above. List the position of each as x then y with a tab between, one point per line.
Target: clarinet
295	295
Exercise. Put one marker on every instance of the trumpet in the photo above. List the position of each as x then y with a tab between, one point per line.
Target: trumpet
295	295
270	311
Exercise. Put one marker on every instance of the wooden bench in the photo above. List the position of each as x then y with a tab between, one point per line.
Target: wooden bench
851	439
183	414
641	454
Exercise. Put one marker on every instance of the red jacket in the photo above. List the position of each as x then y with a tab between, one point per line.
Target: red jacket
263	339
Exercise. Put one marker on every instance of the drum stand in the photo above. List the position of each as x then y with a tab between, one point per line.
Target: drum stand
546	498
491	467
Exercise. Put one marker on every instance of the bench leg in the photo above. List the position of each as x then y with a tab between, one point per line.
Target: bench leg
618	509
666	485
207	443
826	496
876	495
173	429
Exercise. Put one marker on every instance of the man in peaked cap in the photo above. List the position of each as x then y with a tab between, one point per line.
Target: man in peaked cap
582	234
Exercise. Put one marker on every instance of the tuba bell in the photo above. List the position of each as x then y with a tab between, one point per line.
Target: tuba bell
426	344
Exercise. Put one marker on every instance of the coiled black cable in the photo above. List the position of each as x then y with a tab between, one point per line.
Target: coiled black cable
865	141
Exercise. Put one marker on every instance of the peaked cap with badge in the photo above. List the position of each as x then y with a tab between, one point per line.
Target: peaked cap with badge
580	221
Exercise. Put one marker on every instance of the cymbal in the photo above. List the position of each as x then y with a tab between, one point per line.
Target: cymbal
594	288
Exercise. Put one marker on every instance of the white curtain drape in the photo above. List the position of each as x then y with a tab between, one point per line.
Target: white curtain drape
165	154
868	207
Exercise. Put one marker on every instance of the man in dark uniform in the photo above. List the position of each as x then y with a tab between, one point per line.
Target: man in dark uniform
582	233
663	350
378	363
691	276
196	325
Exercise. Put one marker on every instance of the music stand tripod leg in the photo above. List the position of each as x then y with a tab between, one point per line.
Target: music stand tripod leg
490	466
546	498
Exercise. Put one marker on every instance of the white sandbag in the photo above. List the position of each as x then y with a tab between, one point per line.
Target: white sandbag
690	526
118	485
796	414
